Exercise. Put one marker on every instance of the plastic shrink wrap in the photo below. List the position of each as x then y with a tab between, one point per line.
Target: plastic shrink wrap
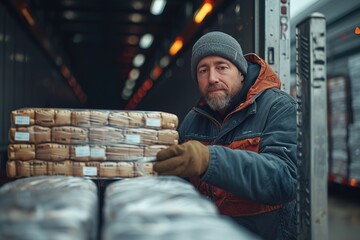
163	208
86	142
49	207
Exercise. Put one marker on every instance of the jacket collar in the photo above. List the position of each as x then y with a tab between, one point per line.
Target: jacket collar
266	79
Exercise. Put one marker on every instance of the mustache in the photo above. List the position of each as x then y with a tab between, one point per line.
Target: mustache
216	87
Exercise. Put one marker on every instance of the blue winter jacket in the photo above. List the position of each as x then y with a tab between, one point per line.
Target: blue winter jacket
253	147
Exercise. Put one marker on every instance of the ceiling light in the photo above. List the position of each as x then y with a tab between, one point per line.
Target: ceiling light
136	18
133	40
204	10
134	73
126	93
25	12
237	9
138	5
139	60
156	72
65	71
146	40
69	15
157	6
71	81
147	85
164	61
176	46
130	84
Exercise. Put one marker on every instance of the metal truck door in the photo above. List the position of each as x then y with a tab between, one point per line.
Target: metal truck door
312	128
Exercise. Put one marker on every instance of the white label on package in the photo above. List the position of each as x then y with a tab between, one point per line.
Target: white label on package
22	136
83	151
89	171
97	152
22	120
153	122
132	138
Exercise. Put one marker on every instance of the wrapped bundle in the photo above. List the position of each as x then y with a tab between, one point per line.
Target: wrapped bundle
107	135
58	141
124	152
80	118
32	134
23	117
49	208
69	135
45	117
99	118
21	151
52	151
157	208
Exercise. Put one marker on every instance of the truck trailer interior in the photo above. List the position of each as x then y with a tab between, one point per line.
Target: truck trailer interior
119	55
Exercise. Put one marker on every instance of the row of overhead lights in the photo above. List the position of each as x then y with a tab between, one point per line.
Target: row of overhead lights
156	8
23	9
204	10
145	42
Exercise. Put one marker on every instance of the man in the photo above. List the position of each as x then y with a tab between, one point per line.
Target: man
238	145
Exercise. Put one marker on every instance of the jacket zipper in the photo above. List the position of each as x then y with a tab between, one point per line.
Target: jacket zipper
216	122
211	192
210	188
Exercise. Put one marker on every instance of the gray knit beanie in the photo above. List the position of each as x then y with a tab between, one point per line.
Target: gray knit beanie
218	44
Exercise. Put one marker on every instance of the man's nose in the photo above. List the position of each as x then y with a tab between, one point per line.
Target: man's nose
213	75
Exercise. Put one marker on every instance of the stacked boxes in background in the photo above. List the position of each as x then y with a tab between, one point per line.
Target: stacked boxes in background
354	132
84	142
339	118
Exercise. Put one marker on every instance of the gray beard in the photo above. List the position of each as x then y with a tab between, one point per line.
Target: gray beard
217	103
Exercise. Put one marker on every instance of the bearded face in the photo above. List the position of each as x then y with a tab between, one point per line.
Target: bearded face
219	81
218	99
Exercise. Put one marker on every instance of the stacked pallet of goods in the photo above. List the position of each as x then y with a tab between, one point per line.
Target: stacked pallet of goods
49	207
84	142
163	208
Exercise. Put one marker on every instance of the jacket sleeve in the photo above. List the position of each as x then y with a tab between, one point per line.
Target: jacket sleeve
269	176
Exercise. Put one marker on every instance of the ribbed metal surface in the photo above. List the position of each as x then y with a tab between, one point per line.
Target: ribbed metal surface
312	128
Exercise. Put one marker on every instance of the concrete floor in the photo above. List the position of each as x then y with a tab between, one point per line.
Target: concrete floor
344	213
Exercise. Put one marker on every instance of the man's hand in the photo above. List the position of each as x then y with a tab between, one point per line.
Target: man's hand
189	159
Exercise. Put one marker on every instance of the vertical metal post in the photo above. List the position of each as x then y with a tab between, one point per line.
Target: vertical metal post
312	127
277	39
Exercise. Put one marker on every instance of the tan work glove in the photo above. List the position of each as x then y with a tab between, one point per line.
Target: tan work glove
189	159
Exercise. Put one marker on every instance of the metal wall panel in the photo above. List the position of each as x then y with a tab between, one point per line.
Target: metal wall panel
27	76
9	69
2	81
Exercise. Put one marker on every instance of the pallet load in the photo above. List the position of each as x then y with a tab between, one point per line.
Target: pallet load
49	207
354	127
84	142
163	208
